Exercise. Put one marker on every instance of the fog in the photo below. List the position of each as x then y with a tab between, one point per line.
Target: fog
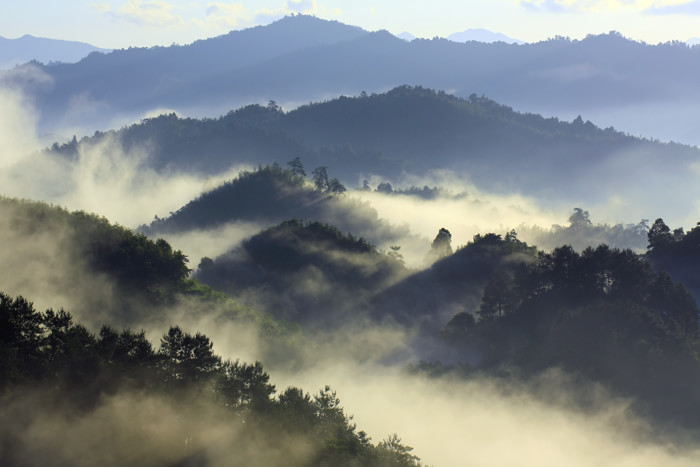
555	420
489	423
16	128
133	428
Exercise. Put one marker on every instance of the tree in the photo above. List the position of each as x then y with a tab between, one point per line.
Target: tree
500	297
442	245
188	358
320	178
272	105
384	187
580	218
335	187
297	168
392	452
659	235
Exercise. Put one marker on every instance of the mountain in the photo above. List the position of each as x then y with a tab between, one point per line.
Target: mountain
300	59
270	195
138	79
309	273
27	48
414	130
407	36
482	35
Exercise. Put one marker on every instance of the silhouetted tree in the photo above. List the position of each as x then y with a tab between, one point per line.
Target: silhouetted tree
335	187
320	178
580	218
297	168
384	187
442	244
659	235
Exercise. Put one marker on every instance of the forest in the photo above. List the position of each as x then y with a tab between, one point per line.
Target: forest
383	265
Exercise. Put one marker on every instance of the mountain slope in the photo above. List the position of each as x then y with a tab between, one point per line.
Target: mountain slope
305	272
414	130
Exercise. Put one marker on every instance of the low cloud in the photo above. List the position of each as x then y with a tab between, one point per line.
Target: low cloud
16	128
600	6
156	13
464	210
677	8
227	15
488	423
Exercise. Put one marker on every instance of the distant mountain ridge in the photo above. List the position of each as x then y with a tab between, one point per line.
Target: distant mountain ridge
482	35
408	130
27	48
300	59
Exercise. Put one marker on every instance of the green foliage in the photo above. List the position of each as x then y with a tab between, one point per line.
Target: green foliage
603	313
267	192
137	264
305	272
49	349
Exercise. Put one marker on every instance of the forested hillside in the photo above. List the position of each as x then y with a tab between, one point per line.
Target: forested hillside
66	391
107	274
413	130
305	272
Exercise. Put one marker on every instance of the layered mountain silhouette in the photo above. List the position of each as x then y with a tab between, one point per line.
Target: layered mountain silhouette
27	48
300	59
413	130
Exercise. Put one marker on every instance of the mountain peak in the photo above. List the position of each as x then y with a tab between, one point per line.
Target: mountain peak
482	35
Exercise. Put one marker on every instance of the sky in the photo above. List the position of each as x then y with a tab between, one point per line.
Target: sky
144	23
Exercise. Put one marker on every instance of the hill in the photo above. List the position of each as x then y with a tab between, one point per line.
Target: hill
270	195
29	48
108	275
304	272
414	130
604	314
83	388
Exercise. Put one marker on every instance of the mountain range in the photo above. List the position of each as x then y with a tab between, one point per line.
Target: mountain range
301	58
28	48
414	130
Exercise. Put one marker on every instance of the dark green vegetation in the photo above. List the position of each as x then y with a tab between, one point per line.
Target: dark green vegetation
603	314
677	253
429	298
306	272
408	129
107	273
51	367
270	195
134	261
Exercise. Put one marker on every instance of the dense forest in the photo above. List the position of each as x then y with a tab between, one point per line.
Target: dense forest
486	285
55	371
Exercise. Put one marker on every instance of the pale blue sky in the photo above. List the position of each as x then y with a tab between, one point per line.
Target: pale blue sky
124	23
